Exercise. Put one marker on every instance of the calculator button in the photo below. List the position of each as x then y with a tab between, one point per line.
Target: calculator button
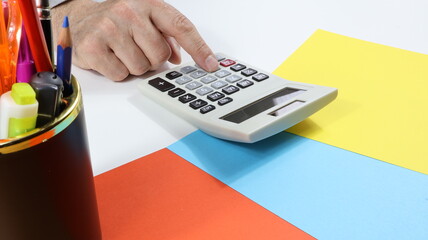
198	74
222	73
248	72
161	84
187	69
173	75
260	77
244	83
215	96
198	67
238	67
233	78
182	80
206	109
219	57
230	89
176	92
193	85
186	98
227	62
204	91
208	79
218	84
197	104
224	101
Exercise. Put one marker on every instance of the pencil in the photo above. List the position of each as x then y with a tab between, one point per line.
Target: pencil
64	53
35	35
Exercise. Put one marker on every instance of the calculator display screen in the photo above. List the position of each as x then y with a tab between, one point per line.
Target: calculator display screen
262	104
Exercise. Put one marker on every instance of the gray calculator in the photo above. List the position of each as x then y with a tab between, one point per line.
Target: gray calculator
238	102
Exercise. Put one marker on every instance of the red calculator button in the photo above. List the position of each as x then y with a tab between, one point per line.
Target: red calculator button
227	63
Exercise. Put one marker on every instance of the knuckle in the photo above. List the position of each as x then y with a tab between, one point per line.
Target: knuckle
107	26
162	55
91	45
118	75
140	69
125	10
156	3
182	24
200	47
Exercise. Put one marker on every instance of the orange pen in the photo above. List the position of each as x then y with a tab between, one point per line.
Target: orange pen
14	37
5	76
35	36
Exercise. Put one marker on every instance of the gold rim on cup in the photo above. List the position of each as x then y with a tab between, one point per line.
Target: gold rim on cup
41	135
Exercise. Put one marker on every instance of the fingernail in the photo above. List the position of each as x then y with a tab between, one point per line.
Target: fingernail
211	63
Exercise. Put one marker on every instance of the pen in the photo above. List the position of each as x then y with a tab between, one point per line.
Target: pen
44	12
14	37
25	68
35	36
48	88
18	111
5	76
5	11
64	48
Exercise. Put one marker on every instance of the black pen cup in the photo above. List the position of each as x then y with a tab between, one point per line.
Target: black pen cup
46	181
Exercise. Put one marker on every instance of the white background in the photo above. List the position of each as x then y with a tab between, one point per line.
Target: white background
123	125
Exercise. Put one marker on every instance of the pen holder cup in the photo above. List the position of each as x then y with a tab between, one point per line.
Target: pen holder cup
46	181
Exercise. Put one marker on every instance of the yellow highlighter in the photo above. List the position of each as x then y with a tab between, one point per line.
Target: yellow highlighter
18	111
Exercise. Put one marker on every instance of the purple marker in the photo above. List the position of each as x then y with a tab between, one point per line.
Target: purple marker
25	68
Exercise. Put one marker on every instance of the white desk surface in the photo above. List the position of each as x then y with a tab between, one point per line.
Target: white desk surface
123	125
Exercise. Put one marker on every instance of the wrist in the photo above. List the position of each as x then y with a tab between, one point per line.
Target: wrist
74	9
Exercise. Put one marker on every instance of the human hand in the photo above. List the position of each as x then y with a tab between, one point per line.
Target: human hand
121	37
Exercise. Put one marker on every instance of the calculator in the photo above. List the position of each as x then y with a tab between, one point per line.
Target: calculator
238	102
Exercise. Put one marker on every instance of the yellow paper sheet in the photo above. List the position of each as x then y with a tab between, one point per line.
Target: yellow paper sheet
382	107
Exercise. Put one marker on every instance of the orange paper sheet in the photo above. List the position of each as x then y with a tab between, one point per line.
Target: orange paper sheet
162	196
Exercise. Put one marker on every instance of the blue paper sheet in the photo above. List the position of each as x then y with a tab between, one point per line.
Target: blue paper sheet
326	191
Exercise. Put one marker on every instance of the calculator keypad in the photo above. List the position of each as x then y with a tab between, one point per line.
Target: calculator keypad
176	92
204	91
238	67
230	89
260	77
161	84
198	104
183	80
248	72
173	75
187	98
187	69
219	84
198	87
227	63
198	74
215	96
222	73
244	83
233	78
224	101
208	79
193	85
206	109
